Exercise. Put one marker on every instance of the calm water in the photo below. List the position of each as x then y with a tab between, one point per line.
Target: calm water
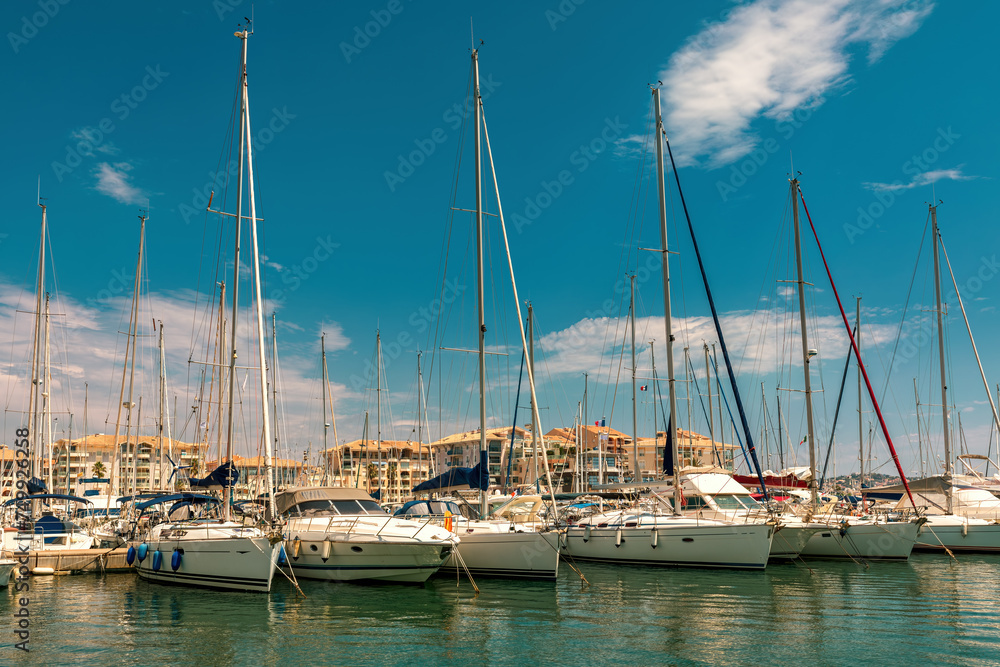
927	611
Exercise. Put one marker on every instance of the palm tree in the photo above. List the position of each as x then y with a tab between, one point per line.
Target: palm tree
98	470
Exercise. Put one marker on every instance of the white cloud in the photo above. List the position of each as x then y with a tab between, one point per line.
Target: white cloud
113	180
768	59
926	178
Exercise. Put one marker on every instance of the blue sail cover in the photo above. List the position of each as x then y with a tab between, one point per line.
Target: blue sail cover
36	486
223	476
477	477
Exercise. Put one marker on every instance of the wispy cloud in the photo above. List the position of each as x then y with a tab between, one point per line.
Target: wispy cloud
926	178
767	59
92	139
113	180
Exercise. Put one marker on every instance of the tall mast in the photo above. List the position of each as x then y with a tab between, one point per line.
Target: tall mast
635	419
420	422
378	407
35	397
861	432
259	299
531	399
940	330
163	392
668	326
477	101
805	342
46	402
274	380
711	408
227	491
326	424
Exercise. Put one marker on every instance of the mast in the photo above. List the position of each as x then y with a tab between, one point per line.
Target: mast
672	422
163	392
861	432
326	424
805	342
35	396
944	379
477	101
531	397
711	408
227	490
46	403
635	419
420	423
274	379
378	406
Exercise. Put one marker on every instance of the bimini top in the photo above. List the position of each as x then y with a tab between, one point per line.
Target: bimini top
48	496
176	497
289	498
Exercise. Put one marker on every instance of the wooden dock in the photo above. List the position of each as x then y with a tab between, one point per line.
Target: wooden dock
75	561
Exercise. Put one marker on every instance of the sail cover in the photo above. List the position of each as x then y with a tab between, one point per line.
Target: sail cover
477	477
223	476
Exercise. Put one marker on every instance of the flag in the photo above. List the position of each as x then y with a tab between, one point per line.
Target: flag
643	388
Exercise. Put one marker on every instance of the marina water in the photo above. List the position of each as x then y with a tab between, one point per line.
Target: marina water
930	610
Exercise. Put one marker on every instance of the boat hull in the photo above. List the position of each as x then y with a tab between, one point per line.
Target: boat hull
790	540
362	559
738	546
518	555
217	560
958	534
868	541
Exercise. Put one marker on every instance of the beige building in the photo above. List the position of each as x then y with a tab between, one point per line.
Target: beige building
139	462
394	466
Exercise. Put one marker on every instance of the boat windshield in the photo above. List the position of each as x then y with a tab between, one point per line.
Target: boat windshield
338	507
734	502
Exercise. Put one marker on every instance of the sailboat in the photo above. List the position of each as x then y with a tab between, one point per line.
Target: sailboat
960	516
491	547
651	535
39	521
209	551
845	537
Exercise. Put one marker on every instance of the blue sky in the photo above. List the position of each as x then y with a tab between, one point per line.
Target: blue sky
357	112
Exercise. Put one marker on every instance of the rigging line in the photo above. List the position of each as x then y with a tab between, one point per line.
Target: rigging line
697	387
718	327
906	304
446	249
732	420
958	295
836	413
857	354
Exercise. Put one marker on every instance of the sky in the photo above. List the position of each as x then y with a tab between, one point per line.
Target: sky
362	151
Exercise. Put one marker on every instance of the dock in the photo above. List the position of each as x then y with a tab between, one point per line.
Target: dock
74	561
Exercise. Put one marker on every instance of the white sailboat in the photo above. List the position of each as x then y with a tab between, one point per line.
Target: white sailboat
492	547
960	516
843	537
655	537
218	552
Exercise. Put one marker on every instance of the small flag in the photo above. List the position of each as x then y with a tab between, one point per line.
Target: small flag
597	423
643	388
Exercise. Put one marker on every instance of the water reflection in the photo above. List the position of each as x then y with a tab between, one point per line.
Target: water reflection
929	610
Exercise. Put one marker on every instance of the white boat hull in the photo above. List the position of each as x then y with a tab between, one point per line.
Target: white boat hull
740	546
790	539
520	555
210	558
361	558
958	534
866	540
